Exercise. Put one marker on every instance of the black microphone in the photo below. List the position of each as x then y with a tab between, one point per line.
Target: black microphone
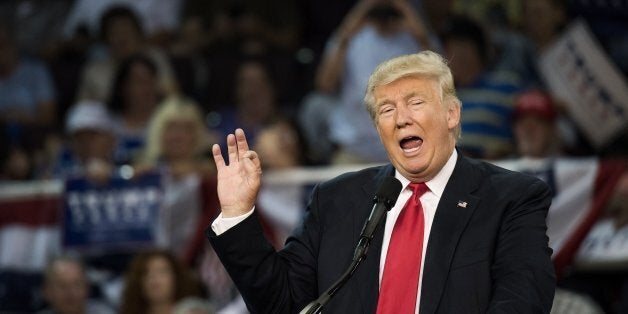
384	200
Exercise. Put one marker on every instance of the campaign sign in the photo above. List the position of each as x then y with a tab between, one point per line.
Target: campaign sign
580	74
119	214
605	247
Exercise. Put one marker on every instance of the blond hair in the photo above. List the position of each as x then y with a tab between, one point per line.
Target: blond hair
423	64
173	108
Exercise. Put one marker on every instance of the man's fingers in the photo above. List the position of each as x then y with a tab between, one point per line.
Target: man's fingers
232	149
242	144
218	160
251	155
237	149
251	161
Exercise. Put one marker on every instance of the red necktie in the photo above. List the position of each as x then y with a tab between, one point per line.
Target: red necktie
400	281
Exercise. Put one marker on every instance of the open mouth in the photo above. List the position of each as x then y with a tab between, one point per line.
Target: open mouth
411	143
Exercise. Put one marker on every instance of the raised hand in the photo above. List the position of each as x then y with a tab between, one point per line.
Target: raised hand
238	181
413	23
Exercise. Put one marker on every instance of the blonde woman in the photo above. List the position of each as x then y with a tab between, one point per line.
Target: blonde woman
176	141
177	138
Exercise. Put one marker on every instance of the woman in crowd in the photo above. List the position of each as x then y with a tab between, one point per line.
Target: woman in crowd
255	101
155	281
175	146
134	97
281	146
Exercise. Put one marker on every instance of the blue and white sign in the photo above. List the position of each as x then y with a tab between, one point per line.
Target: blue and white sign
122	213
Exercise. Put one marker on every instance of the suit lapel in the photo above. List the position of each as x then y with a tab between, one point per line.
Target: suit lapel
366	277
452	214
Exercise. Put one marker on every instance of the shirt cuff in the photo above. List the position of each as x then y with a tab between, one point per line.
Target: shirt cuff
222	224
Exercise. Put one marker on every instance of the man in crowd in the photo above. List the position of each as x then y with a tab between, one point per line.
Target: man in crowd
66	289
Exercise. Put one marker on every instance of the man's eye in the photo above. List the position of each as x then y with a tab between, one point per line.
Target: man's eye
386	109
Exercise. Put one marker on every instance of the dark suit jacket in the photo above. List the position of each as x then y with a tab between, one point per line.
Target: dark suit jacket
490	256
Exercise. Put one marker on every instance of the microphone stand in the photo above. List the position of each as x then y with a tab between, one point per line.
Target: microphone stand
316	306
359	254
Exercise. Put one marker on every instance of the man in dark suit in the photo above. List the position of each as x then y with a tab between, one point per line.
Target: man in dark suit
483	248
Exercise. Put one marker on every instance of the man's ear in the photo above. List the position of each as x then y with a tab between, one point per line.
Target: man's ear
453	113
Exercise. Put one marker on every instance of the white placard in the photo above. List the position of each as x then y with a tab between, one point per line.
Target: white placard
604	247
580	74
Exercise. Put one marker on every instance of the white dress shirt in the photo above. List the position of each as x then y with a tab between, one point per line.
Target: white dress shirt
429	202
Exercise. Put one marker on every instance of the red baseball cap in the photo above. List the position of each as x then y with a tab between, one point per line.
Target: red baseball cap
534	102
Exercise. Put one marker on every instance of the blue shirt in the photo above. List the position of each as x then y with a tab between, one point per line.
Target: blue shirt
350	124
28	86
487	107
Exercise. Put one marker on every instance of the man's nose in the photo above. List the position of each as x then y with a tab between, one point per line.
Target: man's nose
403	116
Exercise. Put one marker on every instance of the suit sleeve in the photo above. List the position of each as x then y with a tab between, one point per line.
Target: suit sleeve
522	273
270	281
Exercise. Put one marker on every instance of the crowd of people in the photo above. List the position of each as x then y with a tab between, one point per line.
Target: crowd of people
118	89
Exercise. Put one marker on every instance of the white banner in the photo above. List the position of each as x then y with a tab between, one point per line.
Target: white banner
581	188
580	74
604	247
572	183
